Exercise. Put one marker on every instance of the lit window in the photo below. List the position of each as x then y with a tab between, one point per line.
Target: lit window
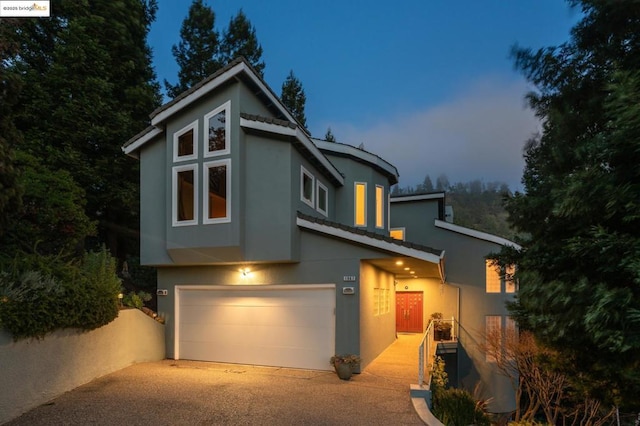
397	233
493	336
323	198
184	200
306	186
217	125
492	276
379	206
509	280
185	143
217	191
376	301
361	204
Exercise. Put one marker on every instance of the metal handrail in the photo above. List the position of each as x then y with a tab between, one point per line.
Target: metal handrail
424	349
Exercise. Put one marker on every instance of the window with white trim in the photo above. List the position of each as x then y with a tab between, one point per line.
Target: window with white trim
306	186
217	192
185	199
185	143
360	204
397	233
217	128
322	202
492	276
379	206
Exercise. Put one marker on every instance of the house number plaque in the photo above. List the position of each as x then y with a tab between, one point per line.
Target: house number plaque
349	278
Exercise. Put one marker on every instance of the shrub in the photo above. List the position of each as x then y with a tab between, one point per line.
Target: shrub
457	407
136	300
39	294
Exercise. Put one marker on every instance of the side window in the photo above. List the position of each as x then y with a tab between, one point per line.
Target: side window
217	129
184	200
322	204
306	187
509	280
380	206
397	233
360	204
217	191
185	143
493	337
492	277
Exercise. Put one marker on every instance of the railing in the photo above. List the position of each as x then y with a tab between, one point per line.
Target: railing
425	357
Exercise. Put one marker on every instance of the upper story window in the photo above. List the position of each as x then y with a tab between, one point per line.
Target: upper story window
492	277
185	143
397	233
509	280
360	204
379	206
322	204
185	190
217	127
307	187
217	191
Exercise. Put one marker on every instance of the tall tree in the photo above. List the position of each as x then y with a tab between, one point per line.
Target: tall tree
90	69
579	267
293	97
329	137
239	39
198	52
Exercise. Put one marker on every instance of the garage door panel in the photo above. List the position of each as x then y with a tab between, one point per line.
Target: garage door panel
292	328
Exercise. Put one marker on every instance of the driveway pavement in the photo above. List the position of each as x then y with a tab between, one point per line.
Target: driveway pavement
200	393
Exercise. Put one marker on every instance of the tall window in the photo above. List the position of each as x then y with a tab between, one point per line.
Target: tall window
306	186
492	276
185	143
493	334
185	201
379	206
361	204
217	191
509	281
217	125
323	198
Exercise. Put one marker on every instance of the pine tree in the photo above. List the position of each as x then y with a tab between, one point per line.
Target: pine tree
198	52
293	98
579	268
239	39
329	136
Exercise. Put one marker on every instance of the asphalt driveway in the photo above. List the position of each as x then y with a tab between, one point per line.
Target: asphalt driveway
198	393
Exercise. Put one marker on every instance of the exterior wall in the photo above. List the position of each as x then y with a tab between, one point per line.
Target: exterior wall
37	371
377	331
417	218
355	171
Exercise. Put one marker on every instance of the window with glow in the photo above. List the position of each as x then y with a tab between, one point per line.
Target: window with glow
493	336
306	186
361	204
185	143
323	198
509	280
492	277
217	129
379	206
185	203
217	191
397	233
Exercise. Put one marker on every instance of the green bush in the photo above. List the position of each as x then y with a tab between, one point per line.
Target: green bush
456	407
39	294
136	300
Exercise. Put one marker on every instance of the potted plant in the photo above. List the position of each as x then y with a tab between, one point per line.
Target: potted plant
345	364
441	328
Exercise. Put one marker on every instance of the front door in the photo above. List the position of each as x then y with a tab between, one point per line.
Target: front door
409	311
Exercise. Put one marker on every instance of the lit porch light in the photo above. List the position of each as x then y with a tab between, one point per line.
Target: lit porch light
399	262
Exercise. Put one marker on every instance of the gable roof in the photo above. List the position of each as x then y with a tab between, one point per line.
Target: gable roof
476	234
360	155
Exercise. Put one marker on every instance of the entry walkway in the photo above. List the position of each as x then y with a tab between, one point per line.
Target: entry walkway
399	362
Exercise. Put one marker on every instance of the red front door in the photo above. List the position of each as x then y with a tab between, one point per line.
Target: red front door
409	311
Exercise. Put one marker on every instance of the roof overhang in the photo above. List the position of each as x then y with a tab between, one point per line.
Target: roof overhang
417	197
137	141
476	234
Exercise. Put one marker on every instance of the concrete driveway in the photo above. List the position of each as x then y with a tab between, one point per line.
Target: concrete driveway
199	393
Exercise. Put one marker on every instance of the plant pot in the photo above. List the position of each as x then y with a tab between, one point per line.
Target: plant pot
344	370
439	335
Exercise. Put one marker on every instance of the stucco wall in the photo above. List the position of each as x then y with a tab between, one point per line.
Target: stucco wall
33	372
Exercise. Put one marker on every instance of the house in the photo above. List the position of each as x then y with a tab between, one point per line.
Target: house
274	248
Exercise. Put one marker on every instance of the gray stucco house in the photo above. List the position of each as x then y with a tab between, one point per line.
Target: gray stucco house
274	248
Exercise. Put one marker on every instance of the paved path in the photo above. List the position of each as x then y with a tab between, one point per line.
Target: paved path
198	393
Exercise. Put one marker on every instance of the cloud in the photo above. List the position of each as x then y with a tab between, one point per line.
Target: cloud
478	134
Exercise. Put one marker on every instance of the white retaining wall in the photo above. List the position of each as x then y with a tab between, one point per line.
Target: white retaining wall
33	372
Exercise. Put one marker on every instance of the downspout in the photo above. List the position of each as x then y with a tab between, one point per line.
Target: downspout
443	275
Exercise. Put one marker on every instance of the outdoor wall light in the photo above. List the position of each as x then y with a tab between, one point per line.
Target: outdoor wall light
399	263
245	272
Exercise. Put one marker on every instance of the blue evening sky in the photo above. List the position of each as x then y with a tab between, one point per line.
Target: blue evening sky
427	85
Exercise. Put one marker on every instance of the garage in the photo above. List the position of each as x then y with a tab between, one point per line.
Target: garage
280	325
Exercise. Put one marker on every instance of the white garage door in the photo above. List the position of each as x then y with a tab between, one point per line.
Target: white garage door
285	326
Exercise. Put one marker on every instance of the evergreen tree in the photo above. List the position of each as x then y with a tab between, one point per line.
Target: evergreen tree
293	98
198	52
329	136
579	267
89	69
427	185
442	183
239	39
